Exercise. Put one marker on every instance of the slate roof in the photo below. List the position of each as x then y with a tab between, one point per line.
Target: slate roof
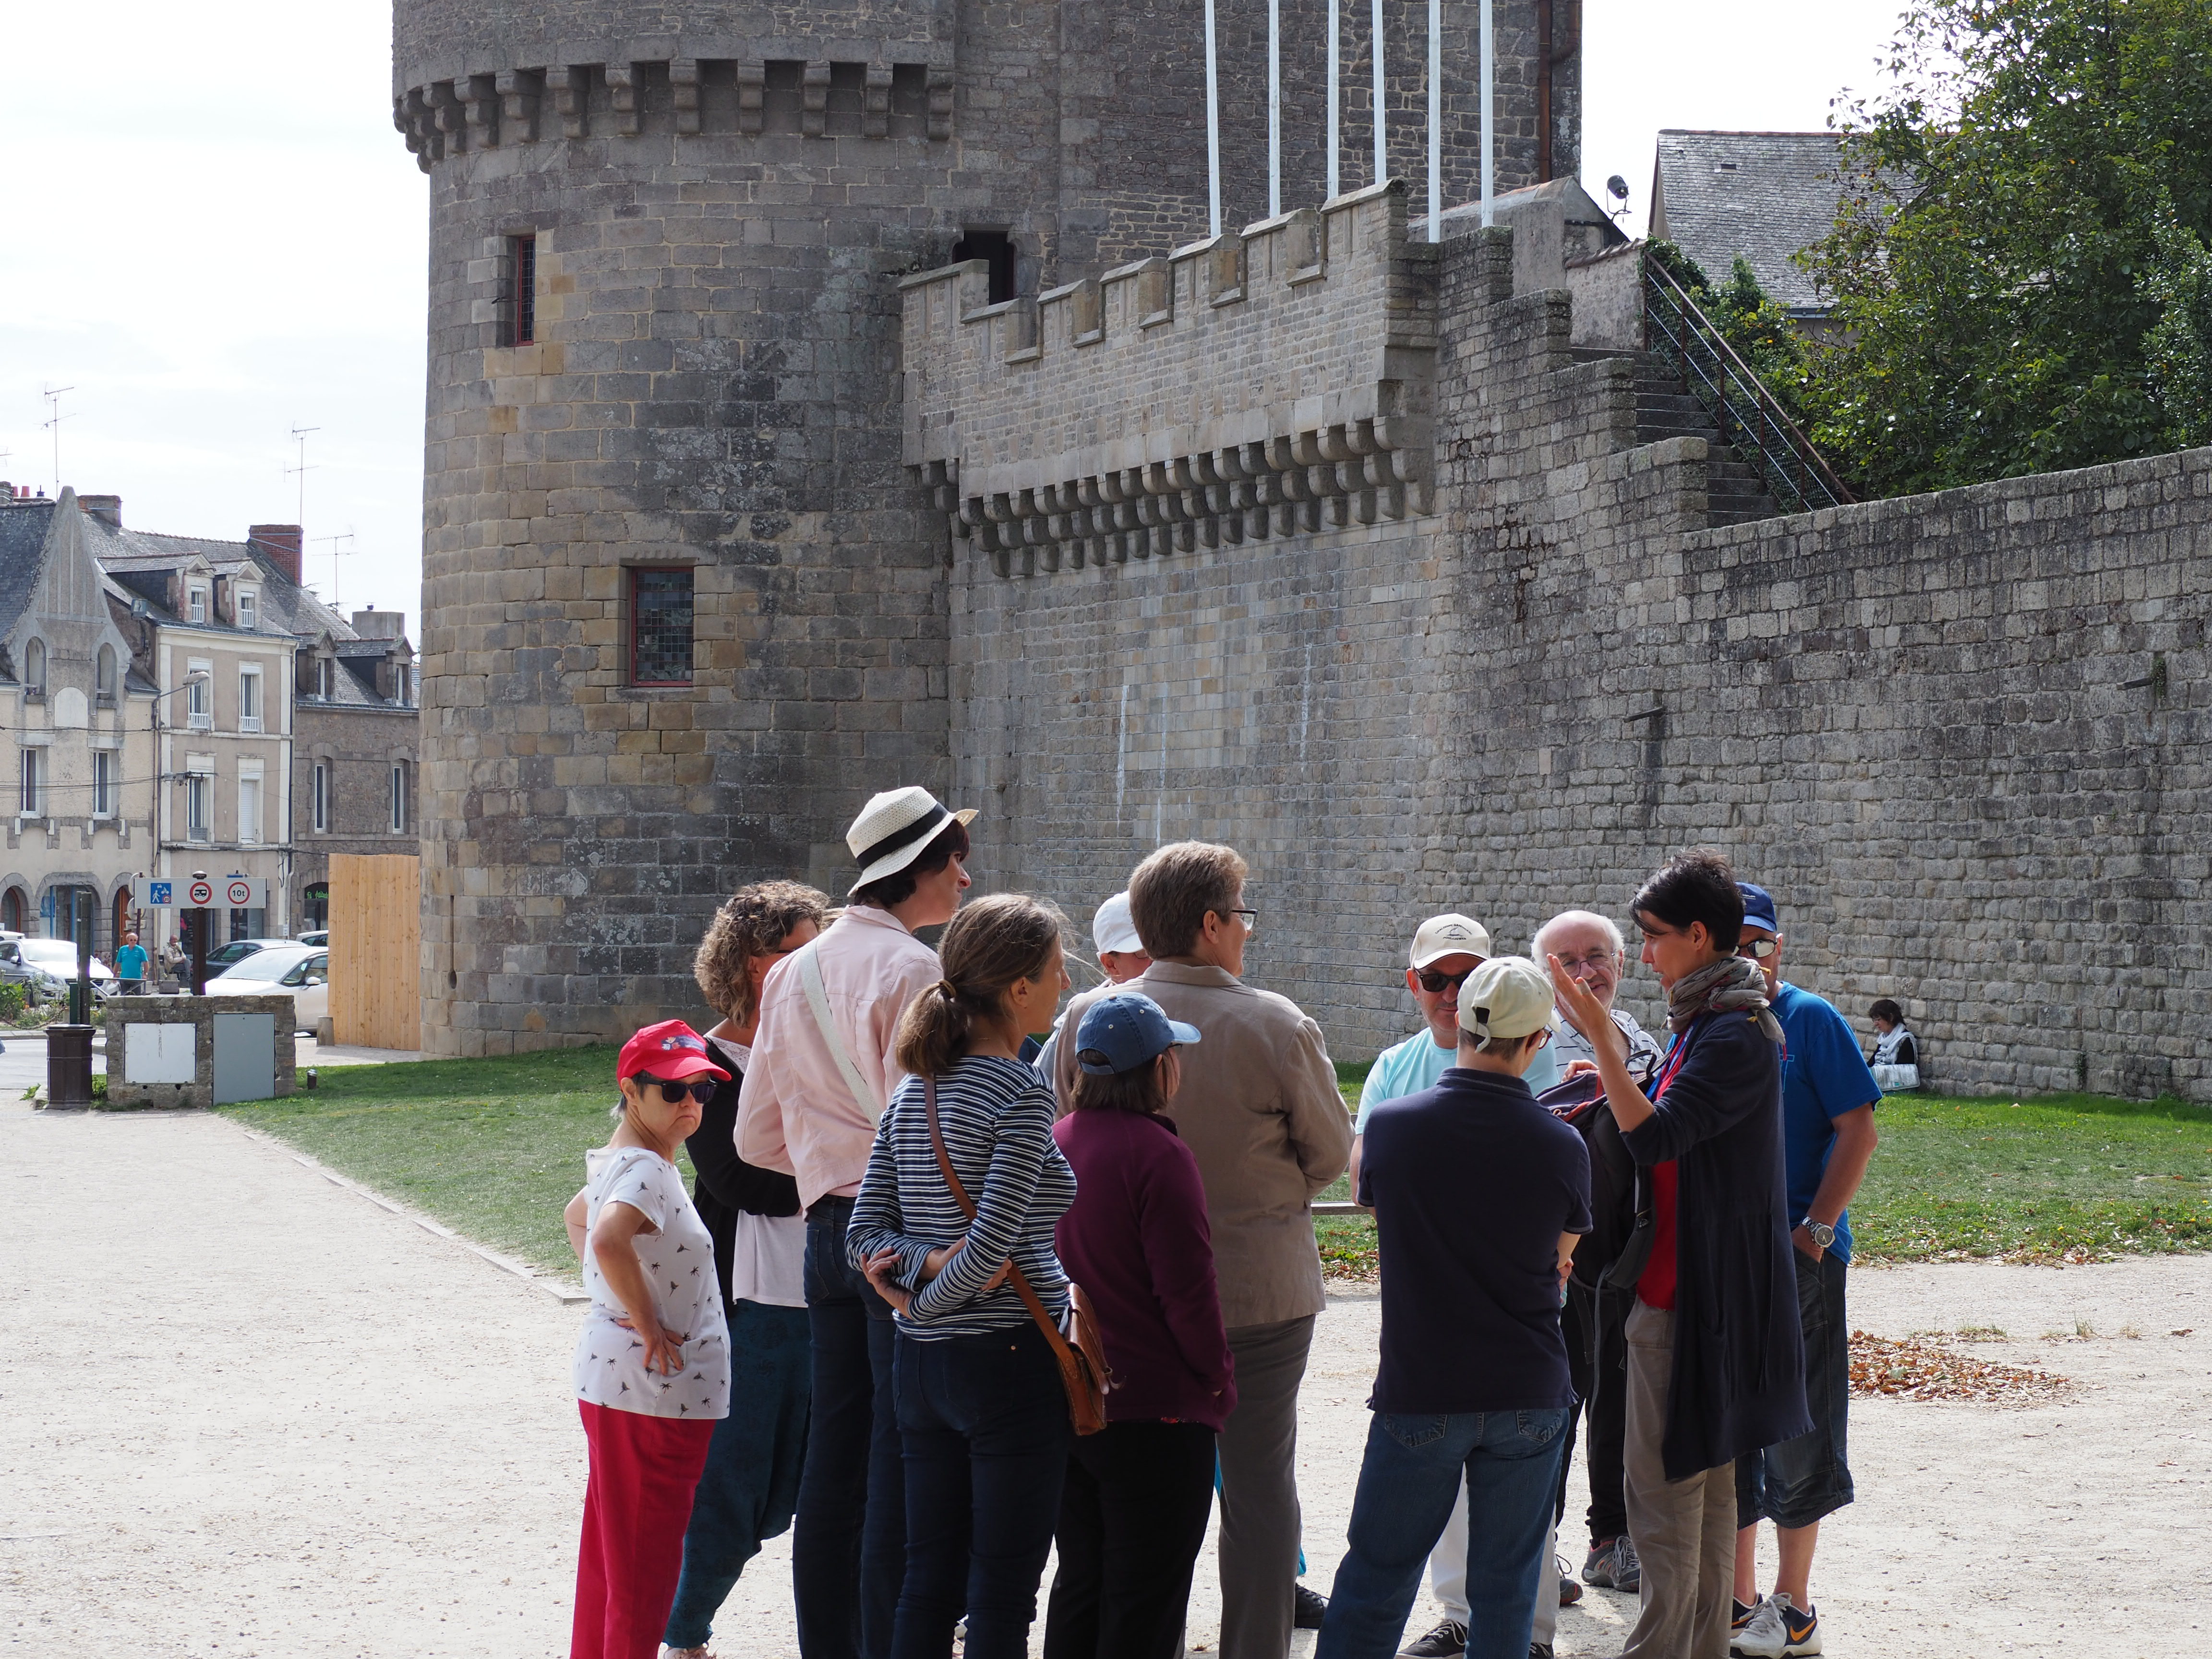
22	553
1762	195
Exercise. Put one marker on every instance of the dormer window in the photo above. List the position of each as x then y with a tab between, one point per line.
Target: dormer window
249	608
103	681
34	669
327	676
401	686
197	603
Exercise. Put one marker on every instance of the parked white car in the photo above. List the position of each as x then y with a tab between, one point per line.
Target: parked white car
299	970
55	959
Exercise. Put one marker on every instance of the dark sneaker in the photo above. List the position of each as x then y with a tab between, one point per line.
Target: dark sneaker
1597	1569
1740	1618
1307	1608
1776	1629
1447	1641
1627	1570
1570	1591
1539	1650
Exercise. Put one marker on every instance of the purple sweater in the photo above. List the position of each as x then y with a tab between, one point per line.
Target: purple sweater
1137	1241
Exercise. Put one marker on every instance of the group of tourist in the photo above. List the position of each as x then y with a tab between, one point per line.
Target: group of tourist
952	1298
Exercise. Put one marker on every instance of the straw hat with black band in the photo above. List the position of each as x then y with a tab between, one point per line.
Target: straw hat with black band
895	827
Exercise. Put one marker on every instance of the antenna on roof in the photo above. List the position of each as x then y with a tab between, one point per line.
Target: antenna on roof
53	394
300	436
337	552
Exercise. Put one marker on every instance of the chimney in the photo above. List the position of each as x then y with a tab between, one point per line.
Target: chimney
380	624
279	543
108	509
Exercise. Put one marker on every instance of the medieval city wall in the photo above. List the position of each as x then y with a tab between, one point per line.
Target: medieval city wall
1959	736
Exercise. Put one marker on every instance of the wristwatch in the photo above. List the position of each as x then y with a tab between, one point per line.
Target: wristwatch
1821	1232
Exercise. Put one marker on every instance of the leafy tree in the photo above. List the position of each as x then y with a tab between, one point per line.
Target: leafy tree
2020	268
1759	331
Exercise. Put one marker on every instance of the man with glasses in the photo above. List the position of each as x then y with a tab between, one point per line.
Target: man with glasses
1446	950
1828	1098
1259	1111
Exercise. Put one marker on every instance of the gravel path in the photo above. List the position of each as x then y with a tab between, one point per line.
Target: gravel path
245	1412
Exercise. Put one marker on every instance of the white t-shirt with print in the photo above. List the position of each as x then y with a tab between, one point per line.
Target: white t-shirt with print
679	1264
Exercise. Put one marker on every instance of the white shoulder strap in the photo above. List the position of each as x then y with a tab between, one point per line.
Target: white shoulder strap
817	999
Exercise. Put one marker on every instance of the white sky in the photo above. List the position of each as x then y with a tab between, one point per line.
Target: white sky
214	233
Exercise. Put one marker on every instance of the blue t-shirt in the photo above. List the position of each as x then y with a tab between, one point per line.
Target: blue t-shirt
1403	1068
131	962
1472	1183
1823	1077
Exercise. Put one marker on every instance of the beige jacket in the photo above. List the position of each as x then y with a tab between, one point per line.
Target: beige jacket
795	1113
1259	1109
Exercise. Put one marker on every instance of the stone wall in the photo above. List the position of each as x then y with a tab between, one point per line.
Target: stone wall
1959	736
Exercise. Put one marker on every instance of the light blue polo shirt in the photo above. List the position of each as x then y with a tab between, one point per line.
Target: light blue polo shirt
1404	1068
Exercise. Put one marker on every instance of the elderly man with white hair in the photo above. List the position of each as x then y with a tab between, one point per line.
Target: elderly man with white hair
1590	949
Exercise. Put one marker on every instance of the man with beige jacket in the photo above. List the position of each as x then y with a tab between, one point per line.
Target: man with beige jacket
1260	1110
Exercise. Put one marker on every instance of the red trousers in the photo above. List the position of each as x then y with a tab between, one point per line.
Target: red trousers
644	1470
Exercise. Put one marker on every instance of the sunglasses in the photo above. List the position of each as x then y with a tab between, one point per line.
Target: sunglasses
1760	949
1433	982
700	1089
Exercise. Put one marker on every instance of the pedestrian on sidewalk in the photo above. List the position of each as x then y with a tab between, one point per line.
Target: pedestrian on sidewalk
1480	1195
1716	1363
131	967
1259	1111
822	1065
750	1485
1132	1515
1828	1097
652	1366
983	1417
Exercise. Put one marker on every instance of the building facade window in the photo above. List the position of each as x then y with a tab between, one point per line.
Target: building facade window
327	676
249	810
249	608
103	679
249	700
522	297
199	697
34	778
103	783
199	795
34	669
660	626
319	797
196	604
399	793
403	684
315	904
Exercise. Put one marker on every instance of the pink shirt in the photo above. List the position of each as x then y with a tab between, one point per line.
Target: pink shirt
795	1113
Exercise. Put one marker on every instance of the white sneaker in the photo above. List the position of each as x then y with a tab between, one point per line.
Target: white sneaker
1776	1629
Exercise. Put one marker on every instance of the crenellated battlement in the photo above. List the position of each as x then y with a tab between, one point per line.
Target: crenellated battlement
1256	384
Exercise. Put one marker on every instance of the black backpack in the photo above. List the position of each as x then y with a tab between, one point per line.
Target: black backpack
1580	1103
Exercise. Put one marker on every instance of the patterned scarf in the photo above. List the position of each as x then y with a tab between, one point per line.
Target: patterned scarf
1731	982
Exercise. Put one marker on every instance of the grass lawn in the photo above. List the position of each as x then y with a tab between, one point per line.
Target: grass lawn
494	1147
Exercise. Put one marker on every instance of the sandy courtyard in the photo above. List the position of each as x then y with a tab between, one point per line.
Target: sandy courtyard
245	1412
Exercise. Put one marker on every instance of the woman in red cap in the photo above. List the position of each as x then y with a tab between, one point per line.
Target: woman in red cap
653	1365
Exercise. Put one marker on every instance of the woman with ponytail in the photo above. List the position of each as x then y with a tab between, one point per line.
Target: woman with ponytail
982	1415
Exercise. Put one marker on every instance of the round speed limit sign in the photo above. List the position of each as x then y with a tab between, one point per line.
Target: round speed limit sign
240	894
199	895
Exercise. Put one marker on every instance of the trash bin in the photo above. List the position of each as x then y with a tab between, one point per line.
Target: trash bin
69	1066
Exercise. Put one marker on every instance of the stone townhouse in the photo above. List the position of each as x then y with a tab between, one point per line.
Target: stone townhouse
353	744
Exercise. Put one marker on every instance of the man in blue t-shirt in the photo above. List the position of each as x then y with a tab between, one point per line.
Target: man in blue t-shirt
1828	1098
1480	1195
1446	950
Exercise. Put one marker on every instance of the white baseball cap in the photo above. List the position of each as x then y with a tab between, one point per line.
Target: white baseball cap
1111	929
1507	997
894	828
1451	935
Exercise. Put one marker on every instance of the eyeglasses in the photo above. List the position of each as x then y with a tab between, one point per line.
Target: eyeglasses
701	1088
1594	959
1433	982
1759	949
1250	919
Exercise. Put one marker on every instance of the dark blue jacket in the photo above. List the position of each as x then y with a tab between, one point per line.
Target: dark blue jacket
1738	1383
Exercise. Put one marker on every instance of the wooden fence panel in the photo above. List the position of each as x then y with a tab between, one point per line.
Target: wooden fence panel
376	951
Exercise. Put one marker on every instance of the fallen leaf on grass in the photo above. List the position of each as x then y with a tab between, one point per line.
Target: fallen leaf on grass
1911	1369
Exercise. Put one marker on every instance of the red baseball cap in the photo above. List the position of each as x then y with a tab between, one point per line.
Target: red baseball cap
671	1049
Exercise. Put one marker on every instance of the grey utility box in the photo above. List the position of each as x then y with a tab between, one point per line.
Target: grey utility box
197	1051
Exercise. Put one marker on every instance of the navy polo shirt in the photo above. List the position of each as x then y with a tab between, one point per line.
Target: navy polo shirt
1472	1183
1824	1076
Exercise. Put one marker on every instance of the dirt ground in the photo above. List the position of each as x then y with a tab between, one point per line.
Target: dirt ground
245	1412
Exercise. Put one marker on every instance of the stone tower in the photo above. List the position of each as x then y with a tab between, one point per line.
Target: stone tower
683	609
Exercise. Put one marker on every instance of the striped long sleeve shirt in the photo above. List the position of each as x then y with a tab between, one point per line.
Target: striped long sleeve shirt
997	1119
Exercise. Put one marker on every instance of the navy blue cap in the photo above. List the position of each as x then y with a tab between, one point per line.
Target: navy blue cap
1758	906
1129	1029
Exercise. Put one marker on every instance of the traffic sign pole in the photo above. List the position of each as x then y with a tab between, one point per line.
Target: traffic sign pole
199	896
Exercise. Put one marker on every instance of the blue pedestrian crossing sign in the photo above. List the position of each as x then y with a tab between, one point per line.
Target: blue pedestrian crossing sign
153	895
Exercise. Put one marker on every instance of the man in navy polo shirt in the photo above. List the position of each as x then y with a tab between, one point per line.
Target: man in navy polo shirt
1828	1097
1480	1195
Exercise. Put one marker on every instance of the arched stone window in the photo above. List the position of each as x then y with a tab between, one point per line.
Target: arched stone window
103	682
34	669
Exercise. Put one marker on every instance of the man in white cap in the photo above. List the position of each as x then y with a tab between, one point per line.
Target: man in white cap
1480	1195
1121	957
1446	950
821	1069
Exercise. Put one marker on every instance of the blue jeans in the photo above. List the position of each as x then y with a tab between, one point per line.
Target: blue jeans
849	1545
1408	1481
1805	1479
749	1486
985	1426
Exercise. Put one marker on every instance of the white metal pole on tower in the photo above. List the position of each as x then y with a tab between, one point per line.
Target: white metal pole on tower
1489	124
1335	109
1274	107
1436	110
1213	130
1381	120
